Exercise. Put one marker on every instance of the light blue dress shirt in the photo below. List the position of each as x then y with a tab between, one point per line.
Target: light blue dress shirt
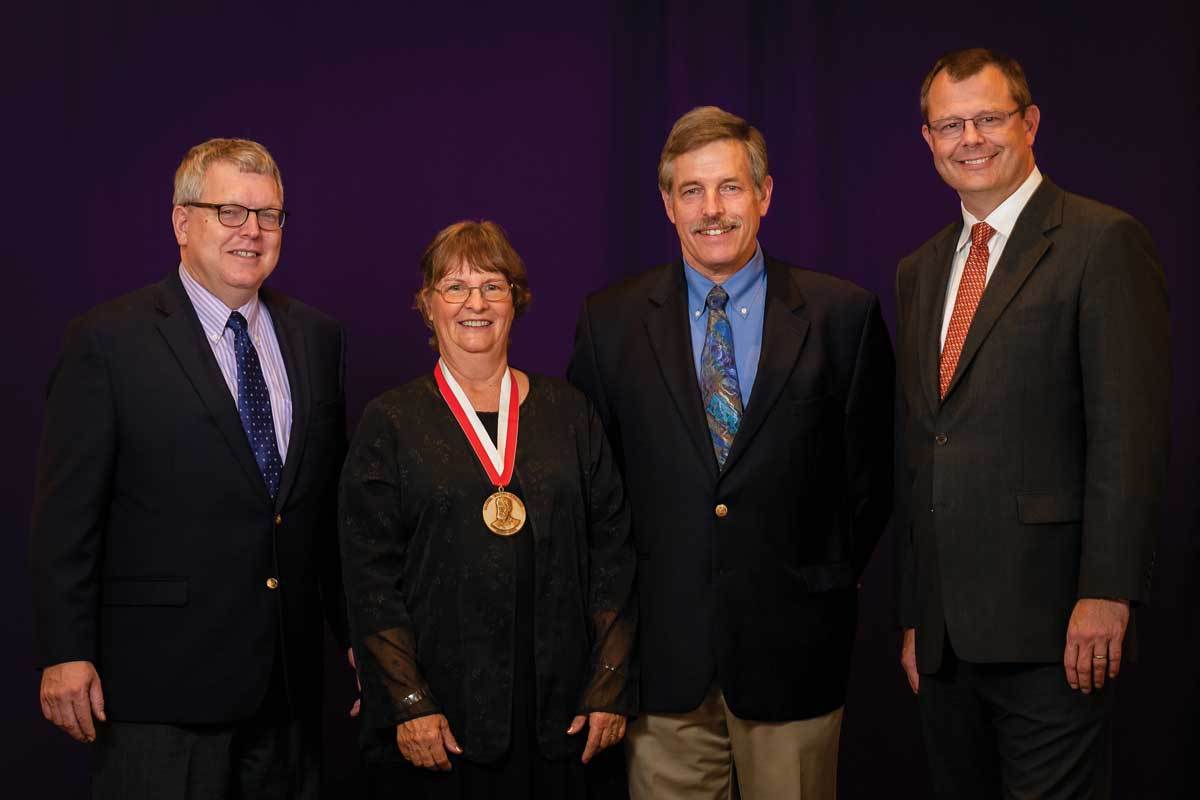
747	290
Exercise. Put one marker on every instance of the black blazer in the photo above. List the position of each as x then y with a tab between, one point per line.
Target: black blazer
1039	478
763	599
153	533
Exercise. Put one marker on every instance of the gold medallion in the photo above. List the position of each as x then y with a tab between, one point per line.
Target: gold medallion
503	513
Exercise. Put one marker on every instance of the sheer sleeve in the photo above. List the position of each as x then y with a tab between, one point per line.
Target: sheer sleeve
374	547
612	684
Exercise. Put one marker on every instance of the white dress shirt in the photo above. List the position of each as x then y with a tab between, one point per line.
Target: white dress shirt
213	314
1002	219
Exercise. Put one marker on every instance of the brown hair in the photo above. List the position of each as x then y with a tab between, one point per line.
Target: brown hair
482	247
963	64
246	155
705	125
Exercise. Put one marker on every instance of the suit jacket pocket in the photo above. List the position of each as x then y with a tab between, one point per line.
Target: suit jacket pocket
144	592
1044	508
827	577
809	413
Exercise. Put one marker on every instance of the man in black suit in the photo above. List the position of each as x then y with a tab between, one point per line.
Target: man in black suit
184	528
747	402
1033	384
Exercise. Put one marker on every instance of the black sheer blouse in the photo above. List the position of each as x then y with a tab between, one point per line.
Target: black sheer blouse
432	592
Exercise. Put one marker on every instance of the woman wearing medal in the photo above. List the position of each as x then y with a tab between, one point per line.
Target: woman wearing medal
488	565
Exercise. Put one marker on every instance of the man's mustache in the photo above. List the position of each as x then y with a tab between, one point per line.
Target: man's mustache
708	223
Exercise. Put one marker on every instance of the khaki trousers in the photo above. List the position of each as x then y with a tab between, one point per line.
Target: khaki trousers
693	756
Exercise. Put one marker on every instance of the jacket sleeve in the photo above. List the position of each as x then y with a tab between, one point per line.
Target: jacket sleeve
1125	371
868	436
583	372
333	594
374	548
900	525
612	683
76	461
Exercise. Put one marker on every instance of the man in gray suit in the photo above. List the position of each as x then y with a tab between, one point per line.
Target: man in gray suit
1033	387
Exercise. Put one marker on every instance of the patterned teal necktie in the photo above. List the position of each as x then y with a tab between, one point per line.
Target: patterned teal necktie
718	376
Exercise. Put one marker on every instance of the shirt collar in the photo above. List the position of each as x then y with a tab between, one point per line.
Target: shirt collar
1004	218
212	311
744	286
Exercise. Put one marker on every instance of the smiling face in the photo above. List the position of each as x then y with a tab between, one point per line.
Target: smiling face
716	208
983	168
232	263
475	327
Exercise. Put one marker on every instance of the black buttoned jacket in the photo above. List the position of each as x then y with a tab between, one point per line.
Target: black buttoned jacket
154	536
763	600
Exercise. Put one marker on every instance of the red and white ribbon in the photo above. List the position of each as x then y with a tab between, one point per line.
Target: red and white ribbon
499	458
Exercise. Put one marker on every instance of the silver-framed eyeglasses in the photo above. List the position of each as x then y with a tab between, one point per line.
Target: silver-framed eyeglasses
987	122
232	215
492	291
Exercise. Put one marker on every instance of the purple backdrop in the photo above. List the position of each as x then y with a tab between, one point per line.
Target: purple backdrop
389	124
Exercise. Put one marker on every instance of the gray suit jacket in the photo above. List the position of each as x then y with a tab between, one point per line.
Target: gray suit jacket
1039	478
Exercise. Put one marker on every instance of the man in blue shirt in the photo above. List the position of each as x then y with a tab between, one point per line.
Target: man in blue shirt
749	404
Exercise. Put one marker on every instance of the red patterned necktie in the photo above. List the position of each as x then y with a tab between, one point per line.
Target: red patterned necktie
970	289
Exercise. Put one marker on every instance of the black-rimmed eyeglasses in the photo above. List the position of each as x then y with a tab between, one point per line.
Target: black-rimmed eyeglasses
231	215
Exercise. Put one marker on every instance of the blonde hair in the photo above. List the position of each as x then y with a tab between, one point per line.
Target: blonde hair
705	125
246	155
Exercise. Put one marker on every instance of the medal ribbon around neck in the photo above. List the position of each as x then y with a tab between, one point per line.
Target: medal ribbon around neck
497	459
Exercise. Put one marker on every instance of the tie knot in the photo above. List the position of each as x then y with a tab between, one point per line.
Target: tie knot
237	322
717	298
981	232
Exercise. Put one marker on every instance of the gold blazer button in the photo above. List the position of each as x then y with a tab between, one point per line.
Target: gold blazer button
272	583
279	519
721	510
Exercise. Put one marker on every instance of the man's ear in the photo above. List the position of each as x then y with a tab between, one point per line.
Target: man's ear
764	195
1033	118
179	222
928	137
666	197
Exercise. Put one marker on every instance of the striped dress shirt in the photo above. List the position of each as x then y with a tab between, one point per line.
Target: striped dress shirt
213	314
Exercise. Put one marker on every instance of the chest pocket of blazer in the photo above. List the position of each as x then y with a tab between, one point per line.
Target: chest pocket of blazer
810	413
1045	508
144	592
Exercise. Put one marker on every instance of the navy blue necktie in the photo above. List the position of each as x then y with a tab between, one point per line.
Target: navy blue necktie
254	404
718	376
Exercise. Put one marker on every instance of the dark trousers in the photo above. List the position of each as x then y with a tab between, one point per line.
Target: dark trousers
1015	731
272	756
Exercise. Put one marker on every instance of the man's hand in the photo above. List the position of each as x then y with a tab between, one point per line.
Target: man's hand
70	696
424	741
357	707
908	658
1094	637
604	730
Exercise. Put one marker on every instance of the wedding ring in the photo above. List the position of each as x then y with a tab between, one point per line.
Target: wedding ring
1099	658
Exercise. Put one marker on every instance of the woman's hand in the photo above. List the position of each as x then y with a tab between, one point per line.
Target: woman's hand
604	730
425	740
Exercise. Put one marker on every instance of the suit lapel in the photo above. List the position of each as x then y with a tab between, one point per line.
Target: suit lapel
784	330
1022	253
933	275
181	328
671	341
291	346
